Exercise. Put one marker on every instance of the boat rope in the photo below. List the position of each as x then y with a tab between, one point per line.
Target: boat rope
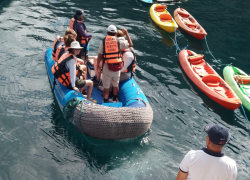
68	113
213	55
176	44
245	113
69	108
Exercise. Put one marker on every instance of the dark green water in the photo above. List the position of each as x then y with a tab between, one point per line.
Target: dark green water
37	143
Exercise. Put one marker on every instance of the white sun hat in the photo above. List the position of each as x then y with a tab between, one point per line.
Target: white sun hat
112	29
75	45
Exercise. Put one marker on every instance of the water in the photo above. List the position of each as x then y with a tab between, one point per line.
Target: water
37	143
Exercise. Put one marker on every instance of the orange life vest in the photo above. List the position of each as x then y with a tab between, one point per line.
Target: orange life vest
79	38
60	51
131	67
55	45
111	50
60	71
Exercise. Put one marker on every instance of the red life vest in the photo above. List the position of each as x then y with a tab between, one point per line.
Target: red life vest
72	25
131	67
55	45
60	71
111	50
60	51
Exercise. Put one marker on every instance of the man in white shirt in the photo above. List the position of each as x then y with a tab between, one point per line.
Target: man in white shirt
209	163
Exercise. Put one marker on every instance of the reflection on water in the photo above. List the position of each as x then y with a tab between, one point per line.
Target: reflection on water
193	43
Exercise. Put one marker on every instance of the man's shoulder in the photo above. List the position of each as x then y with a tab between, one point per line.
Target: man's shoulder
229	160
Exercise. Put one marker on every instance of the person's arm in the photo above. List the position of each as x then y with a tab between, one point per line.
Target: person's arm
72	72
125	32
181	175
127	61
82	31
99	58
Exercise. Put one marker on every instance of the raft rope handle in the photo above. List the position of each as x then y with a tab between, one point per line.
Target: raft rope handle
139	99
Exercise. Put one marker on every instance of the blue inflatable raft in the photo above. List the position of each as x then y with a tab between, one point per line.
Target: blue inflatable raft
129	118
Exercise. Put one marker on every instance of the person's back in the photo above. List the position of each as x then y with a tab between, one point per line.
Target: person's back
207	165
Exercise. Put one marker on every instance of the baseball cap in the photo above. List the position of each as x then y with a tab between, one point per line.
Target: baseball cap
218	134
112	29
79	13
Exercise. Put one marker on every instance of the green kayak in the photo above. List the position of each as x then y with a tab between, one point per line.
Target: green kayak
239	81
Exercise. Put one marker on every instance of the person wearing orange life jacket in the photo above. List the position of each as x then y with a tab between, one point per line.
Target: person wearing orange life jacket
68	39
66	69
110	53
129	59
76	23
59	42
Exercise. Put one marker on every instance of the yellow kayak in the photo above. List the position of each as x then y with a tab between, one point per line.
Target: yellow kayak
162	18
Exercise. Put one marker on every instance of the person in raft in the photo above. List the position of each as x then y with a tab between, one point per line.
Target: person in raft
110	53
128	57
76	23
68	39
68	72
209	163
59	41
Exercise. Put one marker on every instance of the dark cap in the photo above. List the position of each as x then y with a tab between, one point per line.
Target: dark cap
218	134
79	13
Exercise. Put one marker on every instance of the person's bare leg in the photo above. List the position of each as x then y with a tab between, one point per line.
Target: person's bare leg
89	85
115	91
106	93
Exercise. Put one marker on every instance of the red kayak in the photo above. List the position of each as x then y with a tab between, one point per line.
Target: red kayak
207	79
189	24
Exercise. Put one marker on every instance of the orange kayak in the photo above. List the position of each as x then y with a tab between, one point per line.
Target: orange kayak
208	80
189	24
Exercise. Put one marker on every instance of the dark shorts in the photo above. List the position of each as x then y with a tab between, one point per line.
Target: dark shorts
80	83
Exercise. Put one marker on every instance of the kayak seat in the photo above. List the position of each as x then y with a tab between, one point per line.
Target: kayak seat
196	59
242	79
165	17
183	13
220	91
191	25
209	69
211	80
160	8
200	71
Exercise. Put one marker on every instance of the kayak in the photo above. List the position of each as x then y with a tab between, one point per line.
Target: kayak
239	81
189	24
208	80
162	18
129	118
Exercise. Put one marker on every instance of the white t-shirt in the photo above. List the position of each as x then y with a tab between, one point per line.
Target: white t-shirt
206	165
127	57
71	66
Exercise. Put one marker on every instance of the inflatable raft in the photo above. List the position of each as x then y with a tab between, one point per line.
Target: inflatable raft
239	81
162	18
207	79
189	24
129	118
